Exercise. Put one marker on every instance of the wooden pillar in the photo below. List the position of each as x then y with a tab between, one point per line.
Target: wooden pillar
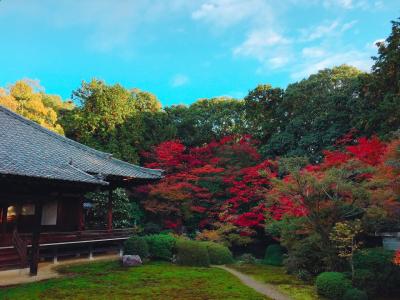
36	239
18	210
4	219
109	212
81	221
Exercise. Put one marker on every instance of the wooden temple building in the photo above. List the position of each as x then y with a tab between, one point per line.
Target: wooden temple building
43	181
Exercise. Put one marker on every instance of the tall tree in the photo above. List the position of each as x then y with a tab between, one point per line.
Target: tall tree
207	119
26	98
379	100
313	114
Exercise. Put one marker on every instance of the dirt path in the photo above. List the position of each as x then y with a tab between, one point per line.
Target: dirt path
263	288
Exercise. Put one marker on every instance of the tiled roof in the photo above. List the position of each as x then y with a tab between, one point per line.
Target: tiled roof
27	149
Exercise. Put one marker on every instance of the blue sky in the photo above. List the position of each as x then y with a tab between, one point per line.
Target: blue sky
183	50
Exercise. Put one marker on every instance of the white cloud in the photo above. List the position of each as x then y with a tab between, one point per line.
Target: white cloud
225	13
179	80
317	32
346	4
257	43
358	59
313	52
267	46
349	25
324	30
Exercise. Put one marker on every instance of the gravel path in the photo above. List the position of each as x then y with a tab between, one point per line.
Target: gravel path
263	288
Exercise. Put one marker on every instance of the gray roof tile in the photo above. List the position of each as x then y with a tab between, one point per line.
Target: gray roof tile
27	149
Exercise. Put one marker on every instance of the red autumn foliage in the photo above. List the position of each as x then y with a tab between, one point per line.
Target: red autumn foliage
369	151
223	181
226	182
396	258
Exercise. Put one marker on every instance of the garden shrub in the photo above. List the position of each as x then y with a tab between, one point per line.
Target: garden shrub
218	254
332	285
161	246
355	294
306	254
136	245
274	255
247	258
383	276
192	253
152	228
303	275
365	279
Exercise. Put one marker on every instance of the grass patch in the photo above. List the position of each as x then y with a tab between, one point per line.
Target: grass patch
156	280
285	283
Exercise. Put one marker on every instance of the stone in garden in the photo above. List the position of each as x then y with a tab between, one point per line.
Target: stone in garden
131	260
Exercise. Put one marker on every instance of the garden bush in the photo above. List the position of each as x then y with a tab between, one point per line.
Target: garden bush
218	254
274	255
161	246
152	228
365	279
192	253
332	285
136	245
355	294
375	271
247	258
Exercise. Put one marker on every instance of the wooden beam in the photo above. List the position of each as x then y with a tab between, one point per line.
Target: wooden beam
109	212
35	239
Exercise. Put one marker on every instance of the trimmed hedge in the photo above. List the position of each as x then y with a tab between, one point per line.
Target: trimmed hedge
332	285
136	245
161	246
218	254
355	294
274	255
247	258
192	253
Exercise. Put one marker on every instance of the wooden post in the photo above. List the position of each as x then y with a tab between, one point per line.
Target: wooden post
36	239
81	222
4	219
55	255
18	210
109	212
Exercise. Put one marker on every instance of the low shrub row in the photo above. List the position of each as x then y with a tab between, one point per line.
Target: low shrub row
187	252
336	286
375	274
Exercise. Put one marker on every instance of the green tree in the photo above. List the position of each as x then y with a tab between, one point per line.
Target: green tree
313	114
103	109
207	119
263	111
378	103
126	212
145	101
344	235
26	98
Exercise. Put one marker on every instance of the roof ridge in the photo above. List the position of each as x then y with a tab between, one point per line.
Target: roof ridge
87	174
157	172
53	134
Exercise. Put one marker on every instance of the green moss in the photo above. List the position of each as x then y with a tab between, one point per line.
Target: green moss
157	280
285	283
